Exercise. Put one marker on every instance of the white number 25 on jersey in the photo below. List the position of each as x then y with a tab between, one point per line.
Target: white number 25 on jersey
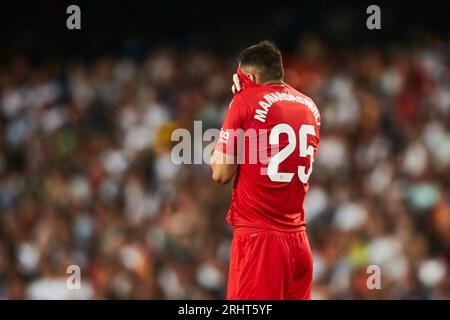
305	150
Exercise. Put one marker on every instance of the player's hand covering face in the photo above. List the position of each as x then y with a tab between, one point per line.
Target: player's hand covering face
240	81
236	87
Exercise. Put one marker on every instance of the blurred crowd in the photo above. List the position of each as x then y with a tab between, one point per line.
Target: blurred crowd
86	176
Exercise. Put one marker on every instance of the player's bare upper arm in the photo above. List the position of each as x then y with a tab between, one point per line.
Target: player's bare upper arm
223	167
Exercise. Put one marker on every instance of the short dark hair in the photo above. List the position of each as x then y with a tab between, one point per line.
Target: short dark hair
266	56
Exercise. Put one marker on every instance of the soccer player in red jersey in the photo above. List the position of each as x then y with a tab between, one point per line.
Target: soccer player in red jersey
269	140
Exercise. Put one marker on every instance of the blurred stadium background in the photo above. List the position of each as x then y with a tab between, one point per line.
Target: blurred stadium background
85	123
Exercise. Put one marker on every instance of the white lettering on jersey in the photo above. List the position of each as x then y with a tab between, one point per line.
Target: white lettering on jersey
271	98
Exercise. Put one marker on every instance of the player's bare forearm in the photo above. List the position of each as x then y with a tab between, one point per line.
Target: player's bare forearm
223	167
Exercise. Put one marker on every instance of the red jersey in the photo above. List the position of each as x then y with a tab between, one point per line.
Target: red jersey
274	131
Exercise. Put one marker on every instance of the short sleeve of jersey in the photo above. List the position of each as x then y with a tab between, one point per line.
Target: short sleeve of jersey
235	119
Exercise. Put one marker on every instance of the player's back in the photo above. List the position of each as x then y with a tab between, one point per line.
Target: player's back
281	130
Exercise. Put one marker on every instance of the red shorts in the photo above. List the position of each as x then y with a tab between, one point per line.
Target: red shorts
269	265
